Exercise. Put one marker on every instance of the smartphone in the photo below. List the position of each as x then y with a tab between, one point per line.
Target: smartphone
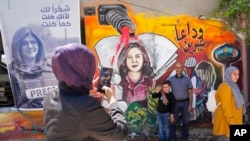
104	78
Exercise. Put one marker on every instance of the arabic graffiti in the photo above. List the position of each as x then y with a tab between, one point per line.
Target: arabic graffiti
53	16
192	40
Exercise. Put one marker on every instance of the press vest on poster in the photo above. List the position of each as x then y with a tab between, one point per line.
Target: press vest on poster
38	92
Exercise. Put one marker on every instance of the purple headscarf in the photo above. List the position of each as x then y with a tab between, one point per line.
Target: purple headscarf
236	91
74	64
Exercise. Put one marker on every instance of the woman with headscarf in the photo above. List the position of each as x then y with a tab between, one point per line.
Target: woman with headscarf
29	69
231	108
71	113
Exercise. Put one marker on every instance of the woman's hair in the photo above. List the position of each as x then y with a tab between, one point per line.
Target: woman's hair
17	44
205	70
123	69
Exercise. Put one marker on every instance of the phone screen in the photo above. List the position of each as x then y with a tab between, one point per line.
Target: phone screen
105	78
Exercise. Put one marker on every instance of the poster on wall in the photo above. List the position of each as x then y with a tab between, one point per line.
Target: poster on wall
31	30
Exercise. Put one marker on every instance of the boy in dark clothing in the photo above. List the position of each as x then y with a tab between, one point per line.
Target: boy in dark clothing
165	109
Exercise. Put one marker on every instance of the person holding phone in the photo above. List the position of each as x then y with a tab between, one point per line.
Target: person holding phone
72	112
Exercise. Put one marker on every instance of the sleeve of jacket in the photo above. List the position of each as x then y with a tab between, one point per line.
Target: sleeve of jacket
172	103
102	125
156	95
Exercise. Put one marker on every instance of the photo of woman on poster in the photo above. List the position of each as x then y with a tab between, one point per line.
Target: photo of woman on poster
29	70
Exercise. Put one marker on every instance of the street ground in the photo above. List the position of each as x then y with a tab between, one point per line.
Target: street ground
196	134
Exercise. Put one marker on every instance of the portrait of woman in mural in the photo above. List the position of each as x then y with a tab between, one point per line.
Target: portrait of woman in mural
157	54
205	79
29	70
137	65
136	72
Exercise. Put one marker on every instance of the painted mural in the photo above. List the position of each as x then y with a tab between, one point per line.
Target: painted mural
120	37
25	126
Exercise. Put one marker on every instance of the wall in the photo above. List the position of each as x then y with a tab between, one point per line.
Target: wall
205	47
164	7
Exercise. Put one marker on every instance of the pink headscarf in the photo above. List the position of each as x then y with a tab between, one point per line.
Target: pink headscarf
74	64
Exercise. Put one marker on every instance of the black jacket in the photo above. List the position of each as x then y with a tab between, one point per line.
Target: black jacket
162	108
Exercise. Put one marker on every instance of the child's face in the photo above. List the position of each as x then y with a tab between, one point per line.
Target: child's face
166	88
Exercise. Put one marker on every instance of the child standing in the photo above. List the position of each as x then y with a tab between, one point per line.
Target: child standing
165	109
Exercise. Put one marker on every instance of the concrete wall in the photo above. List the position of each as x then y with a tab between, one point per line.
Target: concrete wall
166	7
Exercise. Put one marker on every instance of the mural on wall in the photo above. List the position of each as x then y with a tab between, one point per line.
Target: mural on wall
30	31
16	126
142	48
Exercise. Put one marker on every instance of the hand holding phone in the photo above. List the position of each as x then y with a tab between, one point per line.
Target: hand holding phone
105	78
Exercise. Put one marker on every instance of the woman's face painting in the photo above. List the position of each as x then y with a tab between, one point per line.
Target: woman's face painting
134	60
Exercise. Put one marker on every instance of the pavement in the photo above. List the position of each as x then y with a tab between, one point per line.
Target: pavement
195	134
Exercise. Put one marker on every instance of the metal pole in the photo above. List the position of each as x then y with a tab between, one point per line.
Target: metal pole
244	69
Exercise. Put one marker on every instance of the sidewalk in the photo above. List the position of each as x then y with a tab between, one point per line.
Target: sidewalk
195	134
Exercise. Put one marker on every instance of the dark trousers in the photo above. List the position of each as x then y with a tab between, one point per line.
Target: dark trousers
181	108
